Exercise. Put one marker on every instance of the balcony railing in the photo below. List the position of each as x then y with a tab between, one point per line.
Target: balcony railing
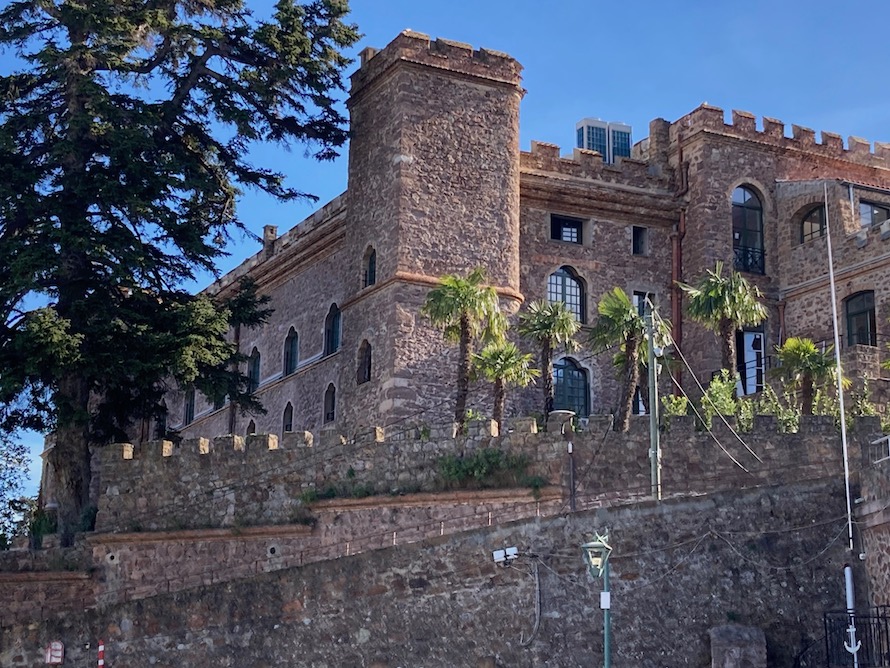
749	259
872	631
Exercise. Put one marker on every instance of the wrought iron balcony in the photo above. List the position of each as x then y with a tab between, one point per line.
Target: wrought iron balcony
749	259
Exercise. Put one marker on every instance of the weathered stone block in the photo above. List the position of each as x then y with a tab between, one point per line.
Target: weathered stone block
262	442
735	646
556	420
228	442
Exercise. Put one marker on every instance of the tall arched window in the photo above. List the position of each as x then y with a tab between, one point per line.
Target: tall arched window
291	351
369	268
861	324
188	412
287	421
747	231
253	371
363	371
251	428
563	285
813	224
330	404
571	389
332	331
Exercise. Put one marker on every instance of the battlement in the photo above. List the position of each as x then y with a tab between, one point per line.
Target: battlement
709	118
333	210
456	57
231	479
587	164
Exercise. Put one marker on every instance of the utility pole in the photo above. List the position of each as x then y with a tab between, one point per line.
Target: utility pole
654	444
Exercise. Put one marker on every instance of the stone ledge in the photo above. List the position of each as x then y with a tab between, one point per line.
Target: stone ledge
549	493
266	531
43	576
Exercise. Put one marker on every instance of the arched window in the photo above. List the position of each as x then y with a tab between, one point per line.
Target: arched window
363	372
332	331
188	413
253	371
369	268
813	224
330	404
861	325
563	285
291	352
747	231
251	428
287	422
571	389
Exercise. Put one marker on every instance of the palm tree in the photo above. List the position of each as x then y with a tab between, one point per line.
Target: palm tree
549	324
465	309
724	304
803	367
503	364
620	324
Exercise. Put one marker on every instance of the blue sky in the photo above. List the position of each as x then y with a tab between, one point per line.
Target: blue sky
812	63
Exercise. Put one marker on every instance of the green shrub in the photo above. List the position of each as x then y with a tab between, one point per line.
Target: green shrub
719	398
674	406
486	467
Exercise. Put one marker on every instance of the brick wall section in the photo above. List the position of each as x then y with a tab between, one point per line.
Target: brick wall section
679	568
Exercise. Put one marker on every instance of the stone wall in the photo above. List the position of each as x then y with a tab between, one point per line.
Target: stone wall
768	557
232	482
874	524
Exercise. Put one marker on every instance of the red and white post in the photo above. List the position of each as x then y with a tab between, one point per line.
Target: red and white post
101	663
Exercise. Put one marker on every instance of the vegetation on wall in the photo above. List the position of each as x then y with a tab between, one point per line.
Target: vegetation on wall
487	467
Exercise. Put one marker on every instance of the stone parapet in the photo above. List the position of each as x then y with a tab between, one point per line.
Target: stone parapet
586	164
709	118
447	55
225	482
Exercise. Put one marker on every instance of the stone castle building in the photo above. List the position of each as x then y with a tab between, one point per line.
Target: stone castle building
438	184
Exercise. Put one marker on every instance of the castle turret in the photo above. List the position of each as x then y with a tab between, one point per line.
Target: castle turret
433	190
434	159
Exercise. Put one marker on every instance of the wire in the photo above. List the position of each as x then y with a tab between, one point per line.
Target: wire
783	568
705	395
537	626
707	426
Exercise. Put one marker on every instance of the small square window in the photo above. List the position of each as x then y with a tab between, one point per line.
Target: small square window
872	214
563	228
640	240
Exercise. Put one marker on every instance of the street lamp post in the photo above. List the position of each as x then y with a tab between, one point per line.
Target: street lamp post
596	556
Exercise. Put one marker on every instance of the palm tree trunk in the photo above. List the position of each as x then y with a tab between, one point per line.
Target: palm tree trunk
727	346
547	376
463	373
807	394
629	386
500	400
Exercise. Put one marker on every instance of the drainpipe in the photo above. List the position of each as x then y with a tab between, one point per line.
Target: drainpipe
677	259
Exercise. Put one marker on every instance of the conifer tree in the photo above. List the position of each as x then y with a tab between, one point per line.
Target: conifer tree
124	139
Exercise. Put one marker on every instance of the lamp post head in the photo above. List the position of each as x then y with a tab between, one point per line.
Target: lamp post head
596	554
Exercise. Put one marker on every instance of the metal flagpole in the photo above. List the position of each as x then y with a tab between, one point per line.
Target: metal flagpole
837	361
